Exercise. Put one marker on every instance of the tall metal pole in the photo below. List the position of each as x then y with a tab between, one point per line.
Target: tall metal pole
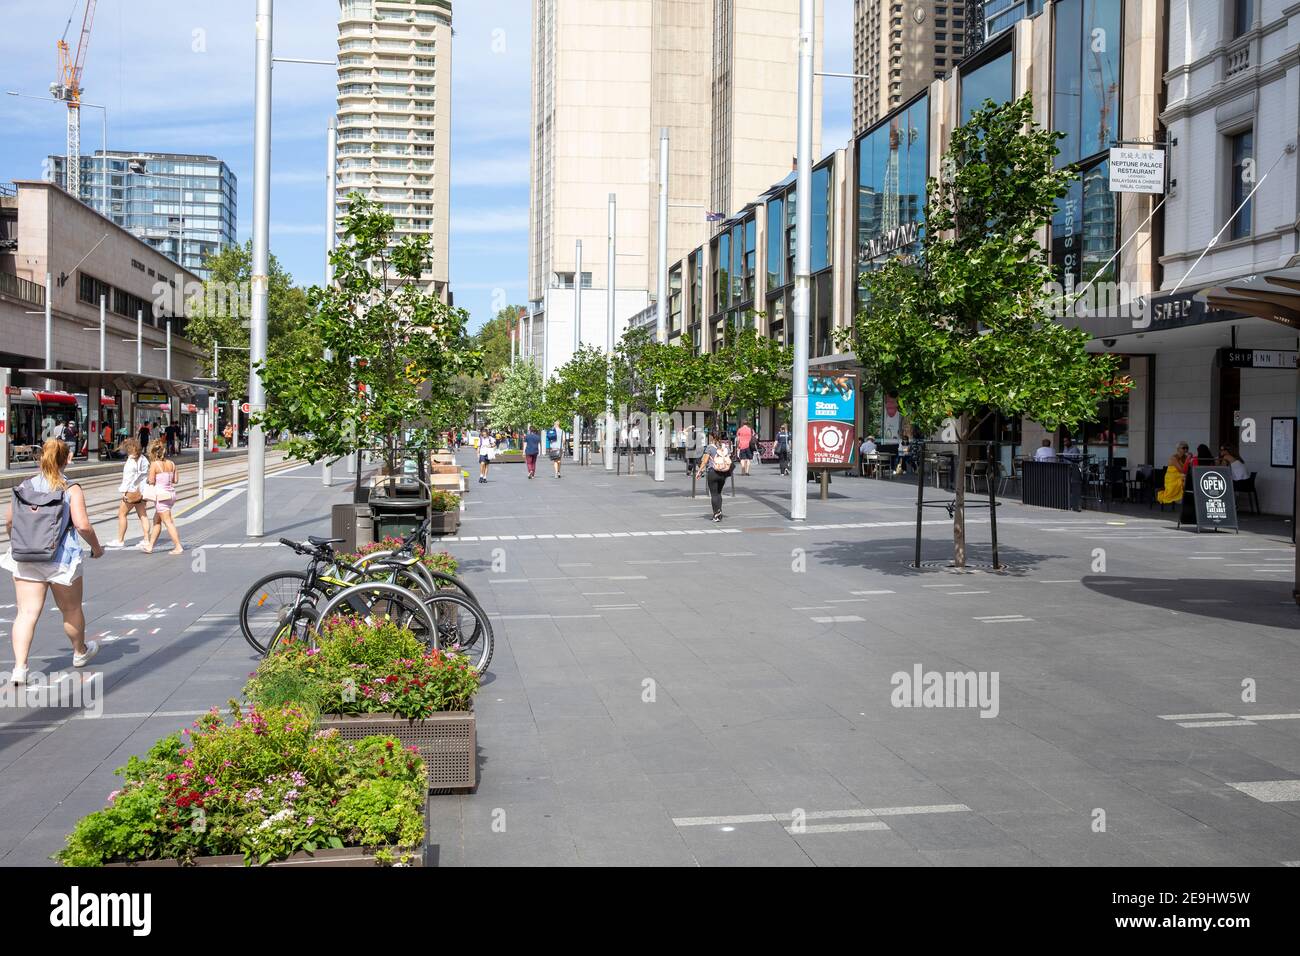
609	337
49	326
139	341
103	332
216	355
261	265
514	330
331	155
802	269
169	349
661	312
577	332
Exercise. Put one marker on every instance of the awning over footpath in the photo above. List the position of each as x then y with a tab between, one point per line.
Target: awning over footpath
123	382
1271	295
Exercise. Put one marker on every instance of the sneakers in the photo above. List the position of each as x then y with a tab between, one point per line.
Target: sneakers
114	545
717	518
81	660
19	675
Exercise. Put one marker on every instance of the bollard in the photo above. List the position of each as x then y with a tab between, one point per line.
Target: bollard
991	476
920	499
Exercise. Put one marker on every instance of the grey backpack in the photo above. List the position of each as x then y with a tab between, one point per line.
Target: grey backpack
41	521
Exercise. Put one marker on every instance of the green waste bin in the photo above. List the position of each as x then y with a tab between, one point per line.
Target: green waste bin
397	517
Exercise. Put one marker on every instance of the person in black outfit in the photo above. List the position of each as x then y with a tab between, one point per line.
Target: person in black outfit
715	453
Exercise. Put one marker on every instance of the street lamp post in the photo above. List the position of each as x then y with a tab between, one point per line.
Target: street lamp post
331	156
256	524
661	312
609	337
802	268
577	334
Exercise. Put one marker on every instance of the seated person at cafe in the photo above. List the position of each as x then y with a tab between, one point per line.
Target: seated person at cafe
1228	457
866	450
1044	451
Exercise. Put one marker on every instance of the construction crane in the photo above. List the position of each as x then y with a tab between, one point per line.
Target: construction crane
68	89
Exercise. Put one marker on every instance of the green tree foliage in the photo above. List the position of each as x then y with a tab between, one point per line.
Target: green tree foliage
517	399
578	387
396	350
749	371
966	333
222	315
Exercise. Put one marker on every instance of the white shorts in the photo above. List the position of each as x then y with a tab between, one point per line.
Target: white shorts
48	572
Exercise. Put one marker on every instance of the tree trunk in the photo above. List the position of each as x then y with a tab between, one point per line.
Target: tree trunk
959	506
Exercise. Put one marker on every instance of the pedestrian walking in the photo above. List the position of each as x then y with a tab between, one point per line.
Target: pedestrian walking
532	447
717	464
163	478
142	436
46	518
783	448
745	446
135	471
487	450
555	446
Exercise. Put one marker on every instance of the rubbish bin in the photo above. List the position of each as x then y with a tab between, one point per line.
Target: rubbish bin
397	517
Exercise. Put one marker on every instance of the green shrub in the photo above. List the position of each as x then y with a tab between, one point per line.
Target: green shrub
266	784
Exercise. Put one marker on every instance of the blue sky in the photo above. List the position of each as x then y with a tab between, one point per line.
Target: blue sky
176	76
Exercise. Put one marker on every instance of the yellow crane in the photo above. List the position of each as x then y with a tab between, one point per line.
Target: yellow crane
68	89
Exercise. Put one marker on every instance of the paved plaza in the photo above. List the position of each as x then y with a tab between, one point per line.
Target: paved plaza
667	691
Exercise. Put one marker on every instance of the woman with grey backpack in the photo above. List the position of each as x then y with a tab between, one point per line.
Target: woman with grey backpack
46	515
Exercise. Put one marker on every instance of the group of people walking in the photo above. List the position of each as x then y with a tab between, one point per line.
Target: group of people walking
148	477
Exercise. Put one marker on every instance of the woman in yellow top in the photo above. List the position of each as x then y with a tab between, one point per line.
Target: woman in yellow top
1175	476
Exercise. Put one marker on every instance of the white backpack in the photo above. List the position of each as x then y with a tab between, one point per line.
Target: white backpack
722	460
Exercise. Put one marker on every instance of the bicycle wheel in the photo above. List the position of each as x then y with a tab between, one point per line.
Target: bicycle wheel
449	582
405	574
267	605
463	628
377	601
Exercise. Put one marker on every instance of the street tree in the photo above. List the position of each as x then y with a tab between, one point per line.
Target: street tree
396	347
220	316
516	400
578	387
749	371
966	331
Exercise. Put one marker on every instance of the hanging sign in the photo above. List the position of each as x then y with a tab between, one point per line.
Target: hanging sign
1137	171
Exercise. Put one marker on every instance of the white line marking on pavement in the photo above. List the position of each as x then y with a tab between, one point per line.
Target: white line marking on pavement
1270	791
950	593
1271	716
1217	723
538	617
837	827
600	593
1061	581
821	815
839	619
870	593
574	564
1001	617
1193	716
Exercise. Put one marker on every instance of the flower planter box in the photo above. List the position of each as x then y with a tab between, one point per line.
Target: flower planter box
348	856
444	522
448	741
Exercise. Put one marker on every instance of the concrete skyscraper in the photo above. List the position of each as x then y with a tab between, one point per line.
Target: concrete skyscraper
720	75
901	47
394	117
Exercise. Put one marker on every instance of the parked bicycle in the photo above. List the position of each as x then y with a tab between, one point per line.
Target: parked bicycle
291	605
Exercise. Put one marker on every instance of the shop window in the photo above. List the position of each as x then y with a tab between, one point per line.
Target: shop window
992	81
1085	102
775	235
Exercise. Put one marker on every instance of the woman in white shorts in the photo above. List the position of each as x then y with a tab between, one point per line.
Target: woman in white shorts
61	576
134	472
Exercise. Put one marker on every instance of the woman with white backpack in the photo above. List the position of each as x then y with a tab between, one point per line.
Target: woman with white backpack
717	464
45	517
